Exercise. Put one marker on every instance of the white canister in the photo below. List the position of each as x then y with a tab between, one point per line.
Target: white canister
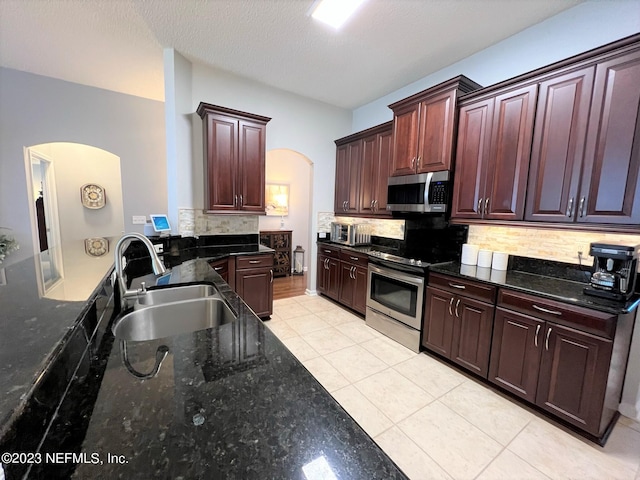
500	261
469	254
484	258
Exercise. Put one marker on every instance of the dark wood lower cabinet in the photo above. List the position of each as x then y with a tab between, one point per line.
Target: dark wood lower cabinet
221	267
254	282
342	276
458	328
567	360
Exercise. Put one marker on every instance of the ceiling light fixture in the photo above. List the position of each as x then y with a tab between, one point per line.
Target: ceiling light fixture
334	12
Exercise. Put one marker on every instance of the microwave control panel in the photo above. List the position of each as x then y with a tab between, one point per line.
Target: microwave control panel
438	193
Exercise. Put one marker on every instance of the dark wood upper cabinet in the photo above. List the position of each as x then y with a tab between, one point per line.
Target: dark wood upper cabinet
362	169
234	149
424	127
610	188
494	142
558	146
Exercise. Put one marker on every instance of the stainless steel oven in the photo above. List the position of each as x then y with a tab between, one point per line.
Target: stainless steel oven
394	303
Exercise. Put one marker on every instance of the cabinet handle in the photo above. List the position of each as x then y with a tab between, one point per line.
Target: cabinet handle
461	287
375	205
327	251
581	207
450	304
354	273
241	202
418	163
235	200
217	268
546	341
570	207
271	272
355	259
536	339
253	262
325	264
457	305
413	162
486	206
479	207
371	204
545	310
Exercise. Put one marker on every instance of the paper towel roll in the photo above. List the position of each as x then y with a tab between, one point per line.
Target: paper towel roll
469	270
483	273
500	261
469	254
484	258
498	276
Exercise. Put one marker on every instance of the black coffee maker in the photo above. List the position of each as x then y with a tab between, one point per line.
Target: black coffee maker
614	271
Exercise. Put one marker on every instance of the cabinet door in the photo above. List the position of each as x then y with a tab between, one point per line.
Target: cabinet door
221	267
385	152
472	328
222	162
369	174
251	167
360	290
405	140
322	277
347	284
333	279
508	167
255	287
435	137
515	353
348	161
573	376
558	146
437	329
474	143
610	189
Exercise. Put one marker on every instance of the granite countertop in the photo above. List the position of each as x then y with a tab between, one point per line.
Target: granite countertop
541	284
228	402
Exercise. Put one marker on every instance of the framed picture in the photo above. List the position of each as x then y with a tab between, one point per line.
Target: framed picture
277	199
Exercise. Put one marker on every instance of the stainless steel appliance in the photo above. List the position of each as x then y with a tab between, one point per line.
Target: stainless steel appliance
422	193
396	283
395	300
614	271
350	234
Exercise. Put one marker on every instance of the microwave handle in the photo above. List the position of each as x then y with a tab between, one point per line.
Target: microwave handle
427	187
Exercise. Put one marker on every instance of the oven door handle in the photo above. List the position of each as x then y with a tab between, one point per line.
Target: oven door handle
412	279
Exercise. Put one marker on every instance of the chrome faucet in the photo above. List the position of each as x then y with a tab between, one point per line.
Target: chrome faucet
123	243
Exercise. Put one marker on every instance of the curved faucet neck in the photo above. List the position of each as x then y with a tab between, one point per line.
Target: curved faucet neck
123	243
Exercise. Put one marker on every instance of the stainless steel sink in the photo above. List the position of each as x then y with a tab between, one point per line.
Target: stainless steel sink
174	318
174	294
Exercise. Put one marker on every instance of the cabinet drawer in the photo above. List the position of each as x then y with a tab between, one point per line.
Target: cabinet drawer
461	286
355	258
585	319
254	261
328	251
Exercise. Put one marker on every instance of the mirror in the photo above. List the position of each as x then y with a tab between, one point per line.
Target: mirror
76	215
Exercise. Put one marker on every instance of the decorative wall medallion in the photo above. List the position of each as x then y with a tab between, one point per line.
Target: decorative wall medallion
92	196
96	247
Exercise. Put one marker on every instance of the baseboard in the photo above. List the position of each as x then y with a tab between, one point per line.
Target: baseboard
630	411
311	293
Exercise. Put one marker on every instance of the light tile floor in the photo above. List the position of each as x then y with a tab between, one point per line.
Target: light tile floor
432	420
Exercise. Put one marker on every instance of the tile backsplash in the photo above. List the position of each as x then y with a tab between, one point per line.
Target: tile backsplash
195	222
544	243
379	227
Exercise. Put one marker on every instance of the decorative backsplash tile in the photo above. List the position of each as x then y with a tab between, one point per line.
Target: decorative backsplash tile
548	244
196	222
379	227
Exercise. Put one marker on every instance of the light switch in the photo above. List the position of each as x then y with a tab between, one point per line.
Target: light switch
139	219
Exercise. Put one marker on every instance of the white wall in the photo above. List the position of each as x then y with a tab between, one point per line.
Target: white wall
299	124
36	109
289	167
581	28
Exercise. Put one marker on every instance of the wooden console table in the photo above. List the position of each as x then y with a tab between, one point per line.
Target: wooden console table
280	241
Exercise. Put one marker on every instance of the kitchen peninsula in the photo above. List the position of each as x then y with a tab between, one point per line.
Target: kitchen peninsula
228	402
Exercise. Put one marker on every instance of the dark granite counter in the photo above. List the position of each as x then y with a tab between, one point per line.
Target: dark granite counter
228	402
546	279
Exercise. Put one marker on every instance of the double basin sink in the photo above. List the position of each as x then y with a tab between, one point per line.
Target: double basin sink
172	311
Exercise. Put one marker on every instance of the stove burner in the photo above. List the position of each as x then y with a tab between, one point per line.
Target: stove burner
398	260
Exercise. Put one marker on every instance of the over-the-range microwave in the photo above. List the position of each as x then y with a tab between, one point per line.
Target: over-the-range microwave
423	193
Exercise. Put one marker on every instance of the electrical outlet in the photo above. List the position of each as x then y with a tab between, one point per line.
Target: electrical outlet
139	219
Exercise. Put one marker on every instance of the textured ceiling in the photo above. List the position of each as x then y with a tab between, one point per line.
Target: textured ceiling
117	44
